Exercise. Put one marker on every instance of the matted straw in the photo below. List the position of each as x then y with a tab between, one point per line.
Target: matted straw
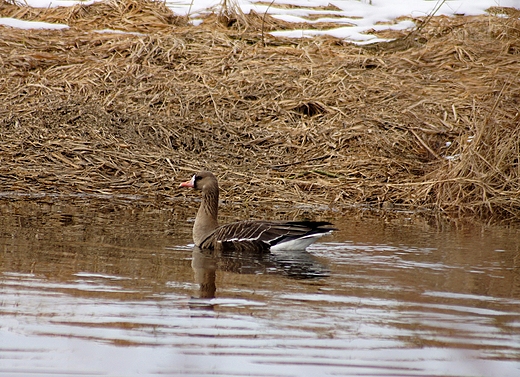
431	124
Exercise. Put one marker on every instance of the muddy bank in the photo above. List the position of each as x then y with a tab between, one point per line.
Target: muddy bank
430	121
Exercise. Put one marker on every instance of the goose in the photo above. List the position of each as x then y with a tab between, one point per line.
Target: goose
248	235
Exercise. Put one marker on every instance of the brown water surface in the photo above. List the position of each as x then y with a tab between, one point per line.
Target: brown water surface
100	290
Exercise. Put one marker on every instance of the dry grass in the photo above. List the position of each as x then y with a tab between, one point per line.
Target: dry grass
432	123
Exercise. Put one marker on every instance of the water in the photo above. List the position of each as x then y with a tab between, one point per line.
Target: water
104	290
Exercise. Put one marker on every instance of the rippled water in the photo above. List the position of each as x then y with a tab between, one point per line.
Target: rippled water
100	290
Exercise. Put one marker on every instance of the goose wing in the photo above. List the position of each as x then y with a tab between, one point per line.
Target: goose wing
262	235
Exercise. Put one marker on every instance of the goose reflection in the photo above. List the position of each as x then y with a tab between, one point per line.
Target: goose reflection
292	264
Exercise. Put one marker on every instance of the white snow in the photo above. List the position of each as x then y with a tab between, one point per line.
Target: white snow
20	24
353	17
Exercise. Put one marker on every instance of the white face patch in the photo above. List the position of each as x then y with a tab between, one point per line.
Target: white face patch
192	181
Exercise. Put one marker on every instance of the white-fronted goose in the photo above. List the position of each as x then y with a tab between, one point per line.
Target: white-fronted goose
250	234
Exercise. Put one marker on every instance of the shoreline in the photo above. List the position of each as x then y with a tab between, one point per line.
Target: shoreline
427	121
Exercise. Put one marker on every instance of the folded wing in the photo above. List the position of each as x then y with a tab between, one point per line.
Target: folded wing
264	235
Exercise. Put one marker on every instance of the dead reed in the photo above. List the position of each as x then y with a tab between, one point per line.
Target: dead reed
317	121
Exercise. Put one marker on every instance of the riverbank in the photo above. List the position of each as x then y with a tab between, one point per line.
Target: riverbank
428	121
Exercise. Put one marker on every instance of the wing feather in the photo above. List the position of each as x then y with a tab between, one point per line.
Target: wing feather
262	235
